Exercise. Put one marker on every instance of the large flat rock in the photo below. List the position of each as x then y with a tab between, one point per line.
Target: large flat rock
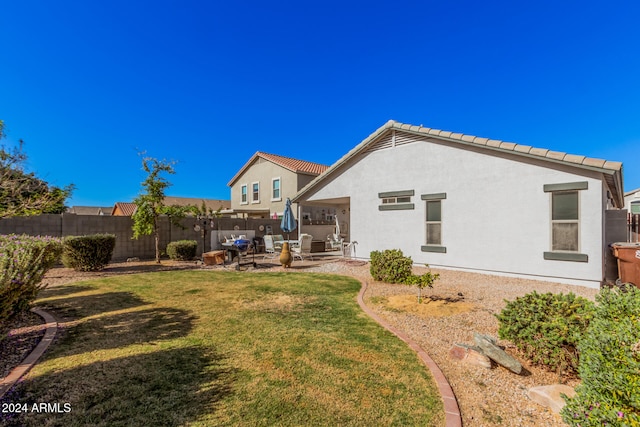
549	395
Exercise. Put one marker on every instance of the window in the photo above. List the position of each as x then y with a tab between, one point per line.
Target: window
255	192
395	200
635	207
243	193
564	221
275	189
433	222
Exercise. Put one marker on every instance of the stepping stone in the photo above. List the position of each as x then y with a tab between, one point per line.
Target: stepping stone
549	395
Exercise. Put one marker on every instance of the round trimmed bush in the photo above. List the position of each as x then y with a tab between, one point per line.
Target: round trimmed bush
182	250
88	253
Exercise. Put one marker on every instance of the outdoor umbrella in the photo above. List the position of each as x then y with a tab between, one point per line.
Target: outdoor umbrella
288	223
337	235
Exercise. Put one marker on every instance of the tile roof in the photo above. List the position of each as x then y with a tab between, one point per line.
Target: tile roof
611	170
126	208
213	204
90	210
294	165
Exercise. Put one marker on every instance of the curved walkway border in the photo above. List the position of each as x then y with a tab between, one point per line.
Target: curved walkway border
451	409
51	328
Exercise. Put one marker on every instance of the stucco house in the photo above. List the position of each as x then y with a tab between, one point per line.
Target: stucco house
261	187
463	202
632	201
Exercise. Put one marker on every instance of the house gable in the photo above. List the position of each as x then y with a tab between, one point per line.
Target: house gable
394	134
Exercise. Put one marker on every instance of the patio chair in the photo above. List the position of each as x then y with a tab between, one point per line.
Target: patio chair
335	242
304	249
270	250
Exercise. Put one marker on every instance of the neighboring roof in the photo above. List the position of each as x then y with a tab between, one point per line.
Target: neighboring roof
210	204
294	165
125	208
90	210
128	209
628	193
611	170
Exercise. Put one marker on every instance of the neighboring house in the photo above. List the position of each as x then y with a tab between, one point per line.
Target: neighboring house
211	205
632	201
123	209
90	210
462	202
261	187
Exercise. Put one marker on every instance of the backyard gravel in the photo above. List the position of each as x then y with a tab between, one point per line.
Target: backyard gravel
487	397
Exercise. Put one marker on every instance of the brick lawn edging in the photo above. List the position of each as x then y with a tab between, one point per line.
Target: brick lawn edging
451	409
18	372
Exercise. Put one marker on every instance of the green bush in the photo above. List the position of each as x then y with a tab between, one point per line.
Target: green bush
182	250
88	253
546	327
24	260
391	266
609	364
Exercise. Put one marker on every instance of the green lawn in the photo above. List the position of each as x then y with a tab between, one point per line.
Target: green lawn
207	348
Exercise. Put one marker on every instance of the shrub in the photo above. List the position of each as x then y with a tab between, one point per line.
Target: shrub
546	327
182	250
24	260
391	266
88	253
609	364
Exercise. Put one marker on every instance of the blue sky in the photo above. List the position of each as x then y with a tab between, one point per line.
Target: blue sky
87	85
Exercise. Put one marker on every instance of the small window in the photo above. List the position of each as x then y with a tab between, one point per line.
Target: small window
275	189
396	200
255	192
434	222
243	192
635	207
565	221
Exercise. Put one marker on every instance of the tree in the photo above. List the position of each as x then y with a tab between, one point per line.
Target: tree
150	203
22	193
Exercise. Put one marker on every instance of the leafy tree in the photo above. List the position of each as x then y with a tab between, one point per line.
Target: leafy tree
150	203
22	193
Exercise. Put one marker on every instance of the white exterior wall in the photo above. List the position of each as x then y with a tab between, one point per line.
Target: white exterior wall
496	217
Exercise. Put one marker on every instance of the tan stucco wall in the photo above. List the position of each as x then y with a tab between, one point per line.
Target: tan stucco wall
263	172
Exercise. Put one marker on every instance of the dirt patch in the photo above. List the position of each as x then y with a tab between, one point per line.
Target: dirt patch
429	307
278	302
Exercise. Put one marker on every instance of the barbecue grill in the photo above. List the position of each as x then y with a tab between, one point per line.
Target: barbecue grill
240	248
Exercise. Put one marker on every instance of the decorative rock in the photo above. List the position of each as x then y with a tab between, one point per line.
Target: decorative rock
489	348
470	355
549	395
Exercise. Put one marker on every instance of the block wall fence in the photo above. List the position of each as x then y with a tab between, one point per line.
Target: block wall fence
121	226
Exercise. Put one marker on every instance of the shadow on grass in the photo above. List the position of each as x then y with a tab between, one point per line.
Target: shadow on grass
62	290
91	305
114	320
164	388
123	329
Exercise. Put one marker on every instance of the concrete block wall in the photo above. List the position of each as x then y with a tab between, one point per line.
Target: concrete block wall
121	226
